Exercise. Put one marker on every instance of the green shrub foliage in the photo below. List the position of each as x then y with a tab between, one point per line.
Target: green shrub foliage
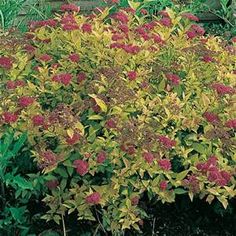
118	107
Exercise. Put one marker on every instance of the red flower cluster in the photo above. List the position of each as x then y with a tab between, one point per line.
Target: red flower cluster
144	11
101	157
9	117
124	28
5	62
195	31
166	21
25	101
74	57
191	183
207	59
157	38
167	142
211	117
86	28
190	16
93	198
198	29
52	184
116	37
45	58
81	166
111	124
38	24
128	148
81	77
49	158
135	201
14	84
132	75
38	120
121	17
174	79
164	164
70	7
29	48
222	89
74	139
231	123
129	48
149	157
213	173
69	23
163	185
64	78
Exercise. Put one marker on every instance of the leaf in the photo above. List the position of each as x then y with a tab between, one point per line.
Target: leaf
223	201
161	85
182	175
70	132
190	194
200	148
22	183
180	191
210	198
99	102
18	145
95	117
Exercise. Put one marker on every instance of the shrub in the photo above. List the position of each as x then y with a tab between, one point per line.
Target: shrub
121	111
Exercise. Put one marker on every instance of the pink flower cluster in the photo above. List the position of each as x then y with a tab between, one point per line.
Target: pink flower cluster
222	89
231	123
93	198
164	164
121	17
86	28
25	101
166	142
111	124
132	75
5	62
15	84
38	120
9	117
45	58
211	117
74	139
69	23
43	23
190	16
101	157
149	157
128	148
74	57
82	167
49	158
214	174
81	77
192	183
194	31
173	78
163	185
52	184
64	78
129	48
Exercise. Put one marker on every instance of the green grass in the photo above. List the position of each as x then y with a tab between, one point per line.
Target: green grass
16	13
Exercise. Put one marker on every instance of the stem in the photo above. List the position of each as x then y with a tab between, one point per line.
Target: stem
100	222
63	224
3	195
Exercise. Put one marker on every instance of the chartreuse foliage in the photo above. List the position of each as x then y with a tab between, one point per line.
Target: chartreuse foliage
120	111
